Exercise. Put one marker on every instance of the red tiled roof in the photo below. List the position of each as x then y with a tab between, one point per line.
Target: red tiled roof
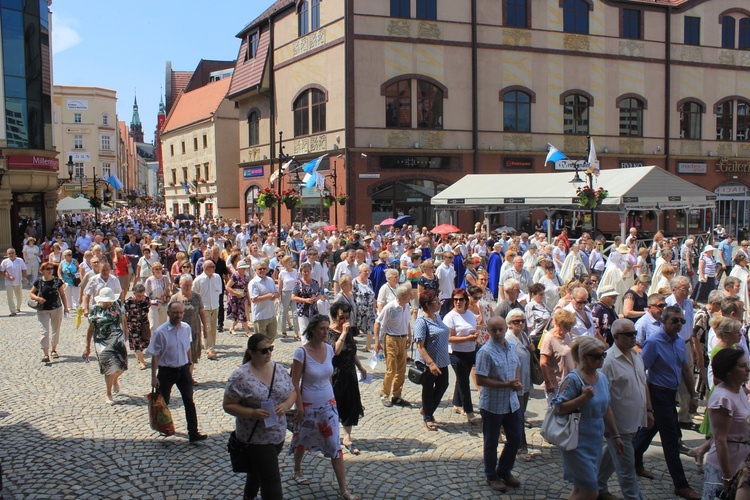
273	9
249	73
198	105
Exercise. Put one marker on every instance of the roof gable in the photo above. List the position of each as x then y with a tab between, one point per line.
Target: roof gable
196	106
249	73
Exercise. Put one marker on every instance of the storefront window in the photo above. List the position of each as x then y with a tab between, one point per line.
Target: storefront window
251	210
408	197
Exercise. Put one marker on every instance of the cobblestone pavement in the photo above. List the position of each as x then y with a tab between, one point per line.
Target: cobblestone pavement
59	440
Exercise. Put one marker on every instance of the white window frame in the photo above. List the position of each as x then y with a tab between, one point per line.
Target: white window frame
77	118
78	170
106	169
105	142
78	141
105	119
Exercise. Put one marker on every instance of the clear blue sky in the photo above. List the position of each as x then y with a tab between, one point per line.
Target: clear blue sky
124	44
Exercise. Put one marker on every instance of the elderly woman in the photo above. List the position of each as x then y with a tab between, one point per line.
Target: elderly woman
237	304
346	296
345	366
428	280
462	324
518	339
287	277
145	264
554	351
668	272
31	258
258	380
706	275
740	271
538	314
387	292
55	258
635	300
317	415
584	390
552	283
139	330
158	290
559	254
194	315
431	337
46	291
729	412
108	327
68	272
364	297
306	294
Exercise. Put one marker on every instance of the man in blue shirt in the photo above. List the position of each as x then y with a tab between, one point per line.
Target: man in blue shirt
650	323
132	251
665	360
498	373
725	257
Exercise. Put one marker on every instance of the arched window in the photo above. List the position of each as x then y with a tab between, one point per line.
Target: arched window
576	16
576	114
727	32
398	105
251	209
691	114
302	115
743	121
253	128
516	111
315	17
631	117
744	41
725	121
310	102
302	19
429	105
318	111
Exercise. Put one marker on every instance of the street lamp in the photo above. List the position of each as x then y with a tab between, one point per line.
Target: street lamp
70	166
586	167
283	157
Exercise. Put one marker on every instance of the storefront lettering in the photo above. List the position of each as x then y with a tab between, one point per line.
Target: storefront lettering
33	162
733	167
248	172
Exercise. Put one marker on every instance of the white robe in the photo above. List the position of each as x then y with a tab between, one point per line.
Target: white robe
571	263
660	263
617	275
742	273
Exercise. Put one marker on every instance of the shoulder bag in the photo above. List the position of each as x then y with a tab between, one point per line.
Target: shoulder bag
562	430
291	414
537	377
417	369
238	451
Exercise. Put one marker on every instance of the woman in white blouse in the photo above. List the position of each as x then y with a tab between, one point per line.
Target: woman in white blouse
463	340
31	254
158	290
288	276
387	292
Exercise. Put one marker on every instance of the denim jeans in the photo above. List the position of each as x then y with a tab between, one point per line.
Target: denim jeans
623	464
491	423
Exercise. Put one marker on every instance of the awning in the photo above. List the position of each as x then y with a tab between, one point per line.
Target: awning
73	205
640	188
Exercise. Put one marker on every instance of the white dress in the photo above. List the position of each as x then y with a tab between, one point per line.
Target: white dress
742	273
616	275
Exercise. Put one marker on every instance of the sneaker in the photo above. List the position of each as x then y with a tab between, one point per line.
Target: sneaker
194	438
401	402
387	402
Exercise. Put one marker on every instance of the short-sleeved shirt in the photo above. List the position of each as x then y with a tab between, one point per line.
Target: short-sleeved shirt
498	362
663	359
739	409
463	325
265	309
446	276
14	268
50	292
435	336
558	351
394	319
171	343
316	378
244	387
627	389
603	318
645	327
687	310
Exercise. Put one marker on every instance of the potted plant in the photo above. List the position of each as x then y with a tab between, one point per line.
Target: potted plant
342	199
194	199
266	199
328	201
95	203
590	198
291	198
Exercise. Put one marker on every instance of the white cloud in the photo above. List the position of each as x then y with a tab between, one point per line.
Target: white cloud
64	34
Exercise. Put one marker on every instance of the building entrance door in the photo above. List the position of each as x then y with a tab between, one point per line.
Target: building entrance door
407	197
27	212
732	208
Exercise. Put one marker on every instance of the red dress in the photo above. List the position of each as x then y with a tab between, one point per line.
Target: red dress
121	267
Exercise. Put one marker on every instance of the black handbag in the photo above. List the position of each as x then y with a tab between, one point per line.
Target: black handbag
239	453
417	372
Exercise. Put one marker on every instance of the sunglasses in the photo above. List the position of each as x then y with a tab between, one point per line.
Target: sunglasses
679	320
458	300
659	306
265	350
516	321
599	357
628	333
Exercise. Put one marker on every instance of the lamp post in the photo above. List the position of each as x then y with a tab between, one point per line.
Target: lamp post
332	176
70	166
586	167
283	157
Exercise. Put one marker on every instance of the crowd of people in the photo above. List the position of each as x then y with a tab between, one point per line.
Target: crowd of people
613	331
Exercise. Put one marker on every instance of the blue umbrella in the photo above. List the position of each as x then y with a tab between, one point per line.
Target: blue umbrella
400	221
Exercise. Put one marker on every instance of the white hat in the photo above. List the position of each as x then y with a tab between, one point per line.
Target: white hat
105	295
623	248
243	265
709	248
608	291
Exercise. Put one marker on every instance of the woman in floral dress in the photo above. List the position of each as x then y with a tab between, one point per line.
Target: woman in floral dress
109	330
306	294
364	297
237	297
137	307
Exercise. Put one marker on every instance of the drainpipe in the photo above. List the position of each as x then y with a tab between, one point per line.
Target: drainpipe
475	91
668	87
271	103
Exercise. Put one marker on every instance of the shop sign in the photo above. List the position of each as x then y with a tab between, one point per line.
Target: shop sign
513	163
691	168
80	157
570	165
415	162
514	201
632	163
369	176
457	201
731	190
78	104
249	172
733	168
33	162
630	199
675	198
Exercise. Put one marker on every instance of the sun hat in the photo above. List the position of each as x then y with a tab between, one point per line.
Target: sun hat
243	265
105	295
623	248
608	291
709	248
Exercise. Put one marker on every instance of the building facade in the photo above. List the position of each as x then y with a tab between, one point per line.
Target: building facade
28	160
415	94
199	145
86	132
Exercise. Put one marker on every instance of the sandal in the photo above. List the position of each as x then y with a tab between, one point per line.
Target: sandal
352	448
347	495
472	419
300	478
459	410
524	457
429	425
55	355
141	366
45	359
195	382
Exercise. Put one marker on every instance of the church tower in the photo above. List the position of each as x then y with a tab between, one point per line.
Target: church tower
136	129
160	119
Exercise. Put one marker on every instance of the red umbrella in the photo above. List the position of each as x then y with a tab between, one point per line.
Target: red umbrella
388	221
330	228
445	229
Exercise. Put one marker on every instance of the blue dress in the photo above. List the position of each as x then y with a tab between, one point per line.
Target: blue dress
580	466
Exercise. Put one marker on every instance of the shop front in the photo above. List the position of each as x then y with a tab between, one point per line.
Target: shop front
733	208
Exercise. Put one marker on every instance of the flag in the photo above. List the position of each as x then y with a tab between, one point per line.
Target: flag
114	182
593	162
310	180
311	166
554	155
190	185
320	183
185	186
286	165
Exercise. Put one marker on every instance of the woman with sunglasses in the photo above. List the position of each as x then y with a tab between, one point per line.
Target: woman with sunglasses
258	380
517	337
47	290
462	324
317	423
584	390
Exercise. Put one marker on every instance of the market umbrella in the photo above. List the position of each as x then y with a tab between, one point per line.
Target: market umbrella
388	221
184	217
74	205
330	228
319	224
504	229
401	220
445	229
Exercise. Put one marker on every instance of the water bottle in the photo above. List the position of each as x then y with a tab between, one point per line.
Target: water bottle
381	356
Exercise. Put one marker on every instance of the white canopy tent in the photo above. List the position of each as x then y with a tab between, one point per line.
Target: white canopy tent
640	188
71	205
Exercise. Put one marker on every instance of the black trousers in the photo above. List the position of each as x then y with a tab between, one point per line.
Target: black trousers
433	389
265	475
181	377
220	324
462	363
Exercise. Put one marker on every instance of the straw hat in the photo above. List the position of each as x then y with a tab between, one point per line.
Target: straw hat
623	248
608	291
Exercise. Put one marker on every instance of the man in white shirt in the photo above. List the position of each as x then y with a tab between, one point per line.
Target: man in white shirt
318	273
96	283
269	247
170	349
392	324
208	286
13	270
446	276
83	242
263	294
517	272
348	266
